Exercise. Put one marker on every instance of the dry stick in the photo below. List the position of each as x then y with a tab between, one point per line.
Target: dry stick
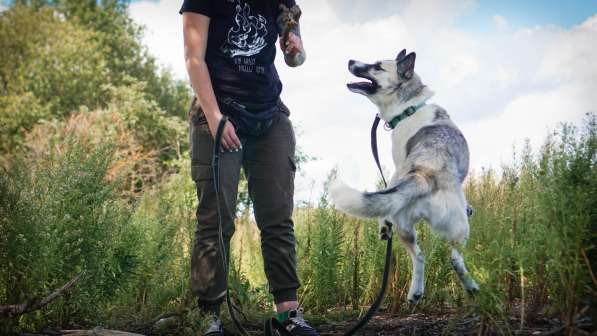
98	332
522	296
584	255
153	321
30	305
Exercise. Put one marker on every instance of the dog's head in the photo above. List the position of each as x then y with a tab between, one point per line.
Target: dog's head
386	79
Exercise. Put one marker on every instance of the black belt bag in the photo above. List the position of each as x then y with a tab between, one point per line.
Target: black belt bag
249	123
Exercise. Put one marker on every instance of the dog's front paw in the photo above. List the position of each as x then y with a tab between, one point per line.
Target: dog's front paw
385	230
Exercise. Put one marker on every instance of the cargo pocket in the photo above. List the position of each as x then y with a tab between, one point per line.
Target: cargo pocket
201	145
201	173
196	115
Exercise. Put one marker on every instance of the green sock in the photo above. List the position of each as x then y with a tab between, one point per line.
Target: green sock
282	316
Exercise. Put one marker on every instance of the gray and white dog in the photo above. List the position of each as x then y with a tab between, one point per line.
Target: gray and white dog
431	158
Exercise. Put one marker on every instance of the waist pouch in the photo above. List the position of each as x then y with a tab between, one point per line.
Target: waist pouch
249	123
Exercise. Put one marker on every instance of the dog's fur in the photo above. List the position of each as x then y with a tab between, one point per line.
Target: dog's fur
431	158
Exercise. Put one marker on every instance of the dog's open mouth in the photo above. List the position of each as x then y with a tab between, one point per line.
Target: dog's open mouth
368	87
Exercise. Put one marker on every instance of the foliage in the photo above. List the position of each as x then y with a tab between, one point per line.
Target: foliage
145	139
325	257
164	220
16	113
45	61
57	56
59	218
119	40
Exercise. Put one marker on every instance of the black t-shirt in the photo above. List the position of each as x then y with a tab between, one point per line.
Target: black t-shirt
241	48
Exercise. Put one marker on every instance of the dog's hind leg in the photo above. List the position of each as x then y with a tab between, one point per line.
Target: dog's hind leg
467	281
417	283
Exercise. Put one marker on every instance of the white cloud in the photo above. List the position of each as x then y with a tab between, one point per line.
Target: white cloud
531	116
500	87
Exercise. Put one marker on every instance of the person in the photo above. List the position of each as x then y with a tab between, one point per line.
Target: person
230	47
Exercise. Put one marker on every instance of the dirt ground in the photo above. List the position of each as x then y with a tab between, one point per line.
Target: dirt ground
416	324
423	325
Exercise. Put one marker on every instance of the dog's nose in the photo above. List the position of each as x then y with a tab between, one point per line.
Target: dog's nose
351	62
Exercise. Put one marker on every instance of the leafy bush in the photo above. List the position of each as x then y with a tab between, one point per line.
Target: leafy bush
59	219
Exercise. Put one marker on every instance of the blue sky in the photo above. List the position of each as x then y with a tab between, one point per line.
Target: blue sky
529	13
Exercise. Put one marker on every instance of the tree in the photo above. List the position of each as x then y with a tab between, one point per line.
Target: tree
48	68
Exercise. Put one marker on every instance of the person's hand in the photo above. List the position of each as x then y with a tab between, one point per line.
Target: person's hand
230	141
293	46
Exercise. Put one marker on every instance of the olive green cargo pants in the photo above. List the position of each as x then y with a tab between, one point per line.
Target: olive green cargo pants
268	162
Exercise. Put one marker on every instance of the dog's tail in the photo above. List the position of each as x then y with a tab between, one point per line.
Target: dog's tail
381	203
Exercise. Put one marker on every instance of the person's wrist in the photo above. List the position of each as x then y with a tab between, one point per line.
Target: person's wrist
213	117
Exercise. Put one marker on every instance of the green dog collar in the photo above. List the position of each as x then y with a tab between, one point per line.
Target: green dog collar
405	114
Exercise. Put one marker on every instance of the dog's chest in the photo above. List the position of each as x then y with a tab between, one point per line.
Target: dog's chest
405	130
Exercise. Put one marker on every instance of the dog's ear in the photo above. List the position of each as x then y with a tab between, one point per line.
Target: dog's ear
406	66
401	55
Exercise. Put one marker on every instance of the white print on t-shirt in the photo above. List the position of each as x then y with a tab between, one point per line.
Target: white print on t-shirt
248	65
247	35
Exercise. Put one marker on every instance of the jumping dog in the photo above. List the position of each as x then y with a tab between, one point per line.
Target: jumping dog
431	159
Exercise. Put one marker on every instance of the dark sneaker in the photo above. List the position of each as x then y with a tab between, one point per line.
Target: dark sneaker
214	328
296	324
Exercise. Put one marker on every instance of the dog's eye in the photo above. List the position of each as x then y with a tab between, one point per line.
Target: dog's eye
377	66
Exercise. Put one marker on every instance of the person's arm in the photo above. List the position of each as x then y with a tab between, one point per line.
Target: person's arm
195	29
294	52
291	42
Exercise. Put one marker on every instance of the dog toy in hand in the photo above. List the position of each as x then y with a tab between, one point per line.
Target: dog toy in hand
288	22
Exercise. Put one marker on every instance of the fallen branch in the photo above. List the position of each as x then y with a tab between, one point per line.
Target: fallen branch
150	324
32	305
98	331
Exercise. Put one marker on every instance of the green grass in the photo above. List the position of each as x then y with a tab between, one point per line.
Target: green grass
531	249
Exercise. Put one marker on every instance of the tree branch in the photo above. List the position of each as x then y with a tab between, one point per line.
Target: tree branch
98	331
30	305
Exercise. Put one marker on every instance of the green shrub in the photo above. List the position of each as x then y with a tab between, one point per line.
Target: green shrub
60	218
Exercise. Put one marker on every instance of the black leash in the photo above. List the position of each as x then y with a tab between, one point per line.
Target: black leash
272	325
374	147
215	164
386	270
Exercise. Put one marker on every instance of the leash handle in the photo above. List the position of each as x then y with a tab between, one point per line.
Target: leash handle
215	163
215	159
